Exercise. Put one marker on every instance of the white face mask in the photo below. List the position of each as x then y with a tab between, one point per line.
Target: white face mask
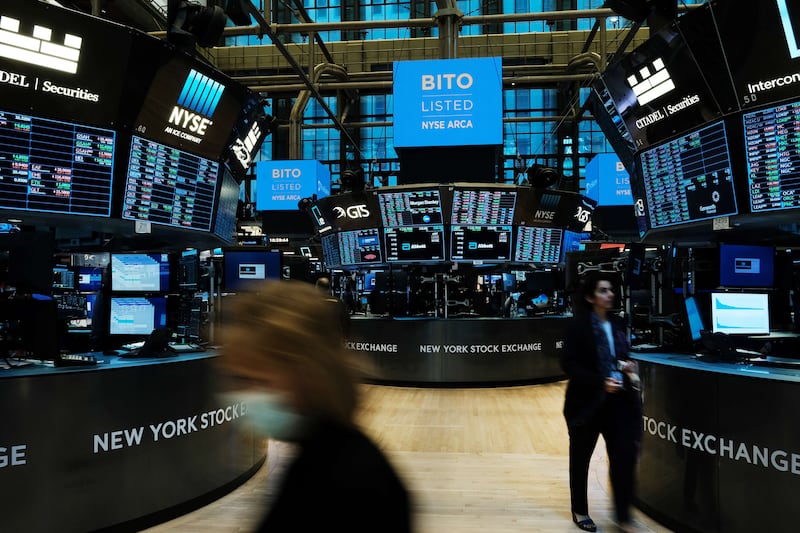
270	415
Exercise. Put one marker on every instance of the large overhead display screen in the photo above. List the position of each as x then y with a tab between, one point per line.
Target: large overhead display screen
190	107
762	47
659	90
689	178
61	64
54	166
772	148
448	102
168	186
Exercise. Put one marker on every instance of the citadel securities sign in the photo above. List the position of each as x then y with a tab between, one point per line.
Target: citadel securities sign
448	102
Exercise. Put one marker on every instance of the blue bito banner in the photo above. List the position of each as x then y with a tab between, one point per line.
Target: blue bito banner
281	184
448	102
607	181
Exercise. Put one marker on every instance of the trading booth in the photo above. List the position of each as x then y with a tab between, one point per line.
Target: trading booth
435	274
131	151
706	118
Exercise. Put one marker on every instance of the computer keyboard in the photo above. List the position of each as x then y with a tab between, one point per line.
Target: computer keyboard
187	347
75	359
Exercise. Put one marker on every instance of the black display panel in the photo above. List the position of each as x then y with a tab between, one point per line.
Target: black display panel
191	106
53	166
330	250
245	269
60	63
689	178
414	244
140	272
772	151
762	47
483	207
227	205
659	90
410	208
538	245
480	243
249	132
137	315
608	118
169	186
89	278
350	210
359	247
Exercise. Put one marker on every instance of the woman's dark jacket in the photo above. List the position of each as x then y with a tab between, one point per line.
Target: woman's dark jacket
581	363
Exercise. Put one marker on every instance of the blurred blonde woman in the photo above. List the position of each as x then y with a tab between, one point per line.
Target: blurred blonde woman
284	357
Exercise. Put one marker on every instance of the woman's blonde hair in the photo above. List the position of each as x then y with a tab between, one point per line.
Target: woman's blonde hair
290	325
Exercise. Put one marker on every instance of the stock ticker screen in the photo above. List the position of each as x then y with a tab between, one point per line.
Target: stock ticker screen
772	149
689	178
410	208
480	243
538	245
54	166
483	207
169	186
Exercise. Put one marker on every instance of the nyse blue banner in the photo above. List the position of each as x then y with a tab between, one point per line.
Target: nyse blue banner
281	184
607	181
448	102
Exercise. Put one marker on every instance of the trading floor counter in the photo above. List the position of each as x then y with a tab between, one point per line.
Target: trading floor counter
88	448
479	351
721	449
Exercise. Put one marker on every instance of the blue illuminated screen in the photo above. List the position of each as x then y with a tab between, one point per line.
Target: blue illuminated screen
140	272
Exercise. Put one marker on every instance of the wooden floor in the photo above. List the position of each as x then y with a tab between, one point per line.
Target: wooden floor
476	460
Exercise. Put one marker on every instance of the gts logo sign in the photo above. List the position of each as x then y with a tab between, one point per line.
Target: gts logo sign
353	211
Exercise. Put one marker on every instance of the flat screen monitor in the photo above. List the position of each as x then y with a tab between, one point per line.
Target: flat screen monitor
694	319
360	247
480	243
137	315
573	242
55	167
330	250
410	208
740	313
771	152
484	207
538	245
414	244
689	178
169	186
188	275
245	270
509	282
140	272
90	279
746	265
227	205
63	277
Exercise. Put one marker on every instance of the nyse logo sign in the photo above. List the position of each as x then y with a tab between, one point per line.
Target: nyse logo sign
243	148
352	212
196	105
38	49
